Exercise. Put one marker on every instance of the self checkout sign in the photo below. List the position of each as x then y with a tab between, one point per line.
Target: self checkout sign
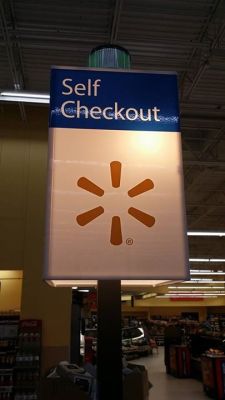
115	195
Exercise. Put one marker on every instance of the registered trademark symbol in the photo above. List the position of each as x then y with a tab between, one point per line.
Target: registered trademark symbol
129	241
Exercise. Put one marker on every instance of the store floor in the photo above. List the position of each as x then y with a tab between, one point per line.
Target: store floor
166	387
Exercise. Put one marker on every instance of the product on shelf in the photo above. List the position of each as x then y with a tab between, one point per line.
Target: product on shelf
8	336
27	366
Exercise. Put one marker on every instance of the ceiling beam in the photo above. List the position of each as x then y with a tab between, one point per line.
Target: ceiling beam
204	163
203	67
211	207
116	20
202	35
208	147
8	46
15	64
203	205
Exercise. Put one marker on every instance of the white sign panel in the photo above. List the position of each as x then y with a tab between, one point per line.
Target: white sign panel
115	200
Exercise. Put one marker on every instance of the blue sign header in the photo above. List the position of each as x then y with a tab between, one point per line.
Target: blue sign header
114	100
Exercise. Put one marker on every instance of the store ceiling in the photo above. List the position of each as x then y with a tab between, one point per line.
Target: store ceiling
179	35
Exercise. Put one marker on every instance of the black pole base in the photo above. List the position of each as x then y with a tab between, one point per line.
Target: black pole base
109	341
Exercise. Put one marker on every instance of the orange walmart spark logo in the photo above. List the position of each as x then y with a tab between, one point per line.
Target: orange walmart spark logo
116	231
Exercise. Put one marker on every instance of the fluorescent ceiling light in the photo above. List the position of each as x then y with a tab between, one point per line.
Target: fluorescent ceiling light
195	287
207	259
197	295
202	233
25	97
199	292
188	293
210	296
193	294
207	273
84	290
201	270
204	281
25	94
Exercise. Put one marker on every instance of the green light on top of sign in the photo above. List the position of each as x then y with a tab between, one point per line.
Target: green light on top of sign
109	56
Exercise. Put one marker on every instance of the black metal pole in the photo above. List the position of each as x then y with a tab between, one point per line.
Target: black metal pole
77	300
109	344
109	340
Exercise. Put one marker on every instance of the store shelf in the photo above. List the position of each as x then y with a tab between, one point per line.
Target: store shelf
26	387
159	340
27	367
6	387
8	340
6	369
